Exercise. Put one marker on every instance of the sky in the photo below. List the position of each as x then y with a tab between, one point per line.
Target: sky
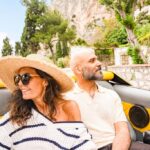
12	17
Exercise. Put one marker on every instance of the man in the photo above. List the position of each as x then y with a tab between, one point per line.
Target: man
101	108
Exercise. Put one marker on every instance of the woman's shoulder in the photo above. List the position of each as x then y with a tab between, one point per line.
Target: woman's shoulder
70	104
72	108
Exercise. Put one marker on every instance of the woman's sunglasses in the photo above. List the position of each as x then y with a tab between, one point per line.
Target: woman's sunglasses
25	78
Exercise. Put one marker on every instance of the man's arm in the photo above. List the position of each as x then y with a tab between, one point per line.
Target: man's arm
122	139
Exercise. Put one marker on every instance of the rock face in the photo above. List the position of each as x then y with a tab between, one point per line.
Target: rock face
85	15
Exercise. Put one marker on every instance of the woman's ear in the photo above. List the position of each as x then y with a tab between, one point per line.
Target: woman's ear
45	83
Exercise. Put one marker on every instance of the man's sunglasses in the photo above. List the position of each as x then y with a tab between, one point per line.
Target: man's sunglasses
25	78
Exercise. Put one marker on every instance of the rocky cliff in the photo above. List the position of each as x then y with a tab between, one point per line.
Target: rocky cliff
85	15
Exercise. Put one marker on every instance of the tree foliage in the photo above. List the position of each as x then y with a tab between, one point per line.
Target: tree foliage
112	34
143	18
143	33
117	37
45	29
134	53
124	11
18	48
35	10
7	49
142	29
54	30
80	42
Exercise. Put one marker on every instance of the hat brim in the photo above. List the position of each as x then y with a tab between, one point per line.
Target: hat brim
10	64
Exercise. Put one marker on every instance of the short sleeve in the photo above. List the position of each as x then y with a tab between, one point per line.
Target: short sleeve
119	114
5	140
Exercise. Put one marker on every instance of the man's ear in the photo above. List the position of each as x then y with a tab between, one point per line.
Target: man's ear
78	69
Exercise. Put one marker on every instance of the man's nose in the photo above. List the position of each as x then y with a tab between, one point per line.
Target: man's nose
99	63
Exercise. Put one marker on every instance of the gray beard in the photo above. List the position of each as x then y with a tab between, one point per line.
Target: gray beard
93	76
100	77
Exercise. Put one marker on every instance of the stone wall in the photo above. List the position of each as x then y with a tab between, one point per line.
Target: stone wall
136	75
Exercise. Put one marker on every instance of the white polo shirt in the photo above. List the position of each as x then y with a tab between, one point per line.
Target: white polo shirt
99	113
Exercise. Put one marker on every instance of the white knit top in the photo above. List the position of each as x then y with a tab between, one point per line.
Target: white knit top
40	133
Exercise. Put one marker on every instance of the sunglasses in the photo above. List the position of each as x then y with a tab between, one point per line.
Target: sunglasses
25	78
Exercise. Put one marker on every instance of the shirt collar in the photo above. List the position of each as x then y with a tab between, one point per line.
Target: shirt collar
77	89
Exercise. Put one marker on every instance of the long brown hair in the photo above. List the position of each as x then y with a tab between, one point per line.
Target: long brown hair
20	109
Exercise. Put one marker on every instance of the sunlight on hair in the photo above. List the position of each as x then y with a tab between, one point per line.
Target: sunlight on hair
78	51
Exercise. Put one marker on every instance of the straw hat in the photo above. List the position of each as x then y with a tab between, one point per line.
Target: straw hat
10	64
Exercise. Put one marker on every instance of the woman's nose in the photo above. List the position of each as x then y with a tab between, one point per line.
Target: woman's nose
20	83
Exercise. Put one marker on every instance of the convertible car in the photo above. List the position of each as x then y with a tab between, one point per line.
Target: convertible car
136	103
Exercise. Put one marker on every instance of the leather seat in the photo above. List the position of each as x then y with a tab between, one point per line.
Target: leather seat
4	100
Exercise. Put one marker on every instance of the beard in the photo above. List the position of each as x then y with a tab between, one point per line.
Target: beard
98	75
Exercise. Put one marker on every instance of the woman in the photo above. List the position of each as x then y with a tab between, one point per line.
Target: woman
39	117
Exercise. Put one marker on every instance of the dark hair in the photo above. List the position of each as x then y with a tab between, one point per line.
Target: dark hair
20	109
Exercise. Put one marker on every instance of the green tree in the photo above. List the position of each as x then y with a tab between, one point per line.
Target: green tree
143	18
134	53
35	10
53	31
142	29
117	37
46	28
18	48
47	34
124	11
143	33
80	41
66	36
7	49
112	34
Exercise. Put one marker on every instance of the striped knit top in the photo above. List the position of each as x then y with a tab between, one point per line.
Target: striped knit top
40	133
